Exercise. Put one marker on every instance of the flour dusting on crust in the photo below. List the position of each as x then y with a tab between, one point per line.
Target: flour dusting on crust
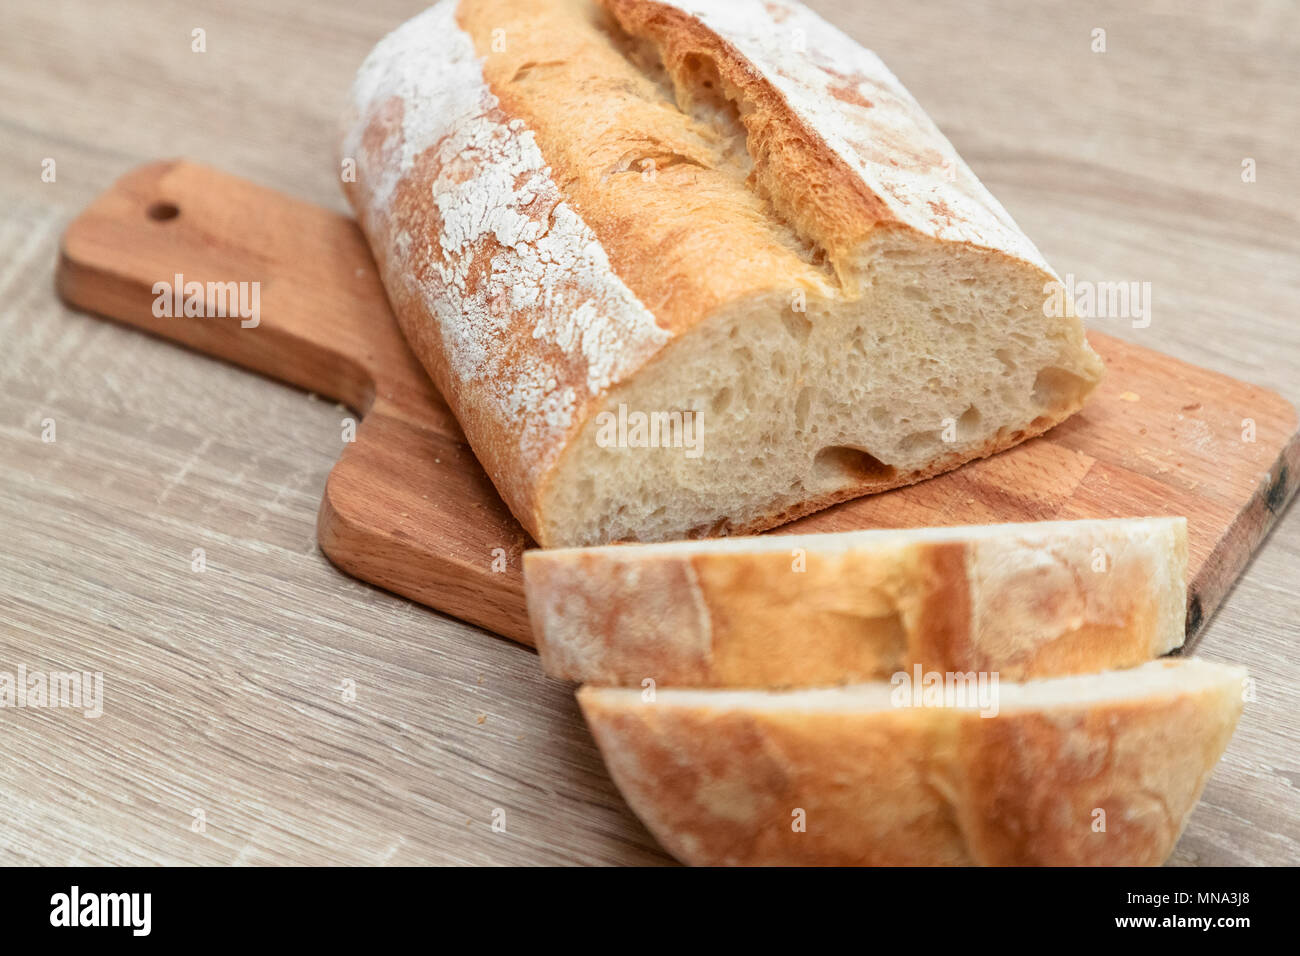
532	319
849	98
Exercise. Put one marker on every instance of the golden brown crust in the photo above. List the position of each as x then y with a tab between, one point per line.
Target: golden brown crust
829	127
1143	763
827	198
688	240
1032	600
1082	778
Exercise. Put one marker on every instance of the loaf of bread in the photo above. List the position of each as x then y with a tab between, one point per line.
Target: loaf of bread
1087	770
1042	599
694	267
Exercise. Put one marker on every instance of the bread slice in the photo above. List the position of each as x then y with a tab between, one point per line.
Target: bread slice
1087	770
693	268
1027	600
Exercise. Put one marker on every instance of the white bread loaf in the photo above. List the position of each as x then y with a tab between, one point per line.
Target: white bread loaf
1026	600
722	210
1088	770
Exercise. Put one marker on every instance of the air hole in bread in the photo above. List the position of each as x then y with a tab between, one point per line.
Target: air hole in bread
919	442
1055	387
839	465
797	324
716	529
801	408
163	211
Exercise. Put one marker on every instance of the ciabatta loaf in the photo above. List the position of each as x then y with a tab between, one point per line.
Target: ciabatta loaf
1088	770
1026	600
693	267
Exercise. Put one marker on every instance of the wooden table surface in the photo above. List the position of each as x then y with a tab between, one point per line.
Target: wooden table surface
225	689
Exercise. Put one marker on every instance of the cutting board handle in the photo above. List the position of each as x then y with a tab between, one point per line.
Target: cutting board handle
270	283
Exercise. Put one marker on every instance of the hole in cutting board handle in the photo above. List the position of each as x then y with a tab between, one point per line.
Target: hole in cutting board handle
163	211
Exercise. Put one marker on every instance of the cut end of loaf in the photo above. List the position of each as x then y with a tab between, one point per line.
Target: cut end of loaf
796	403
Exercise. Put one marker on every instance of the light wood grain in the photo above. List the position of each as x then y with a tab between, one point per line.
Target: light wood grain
409	508
223	687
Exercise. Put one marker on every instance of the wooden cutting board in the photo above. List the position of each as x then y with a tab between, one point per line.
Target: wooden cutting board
408	508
